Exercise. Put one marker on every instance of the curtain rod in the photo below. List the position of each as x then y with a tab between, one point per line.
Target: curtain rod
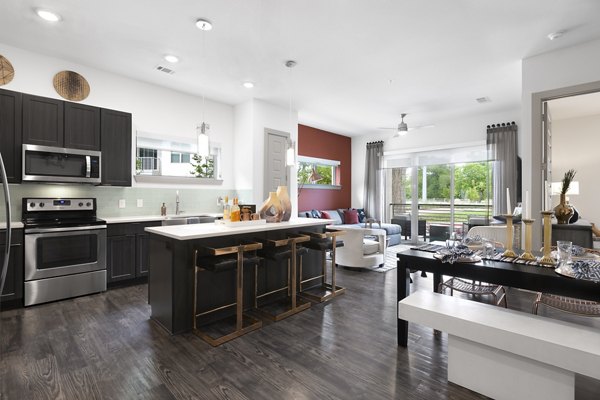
503	124
380	141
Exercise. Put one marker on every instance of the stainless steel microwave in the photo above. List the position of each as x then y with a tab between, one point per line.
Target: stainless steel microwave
58	164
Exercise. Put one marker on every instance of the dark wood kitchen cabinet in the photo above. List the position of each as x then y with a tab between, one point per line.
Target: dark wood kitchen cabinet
127	251
82	127
13	287
57	123
116	147
43	121
120	258
10	133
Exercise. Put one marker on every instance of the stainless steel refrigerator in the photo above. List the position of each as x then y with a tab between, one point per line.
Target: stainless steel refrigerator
8	218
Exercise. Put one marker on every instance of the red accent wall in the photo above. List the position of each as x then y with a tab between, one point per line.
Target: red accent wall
314	142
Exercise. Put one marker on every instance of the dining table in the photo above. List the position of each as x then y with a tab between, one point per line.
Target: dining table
516	275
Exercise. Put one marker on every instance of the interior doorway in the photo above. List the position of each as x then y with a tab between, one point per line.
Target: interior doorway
540	145
276	171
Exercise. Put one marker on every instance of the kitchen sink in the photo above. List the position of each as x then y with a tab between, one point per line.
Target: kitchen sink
180	220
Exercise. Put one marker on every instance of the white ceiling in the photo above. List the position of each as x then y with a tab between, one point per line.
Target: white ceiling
584	105
439	55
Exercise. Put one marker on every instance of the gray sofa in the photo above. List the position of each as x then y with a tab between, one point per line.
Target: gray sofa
393	231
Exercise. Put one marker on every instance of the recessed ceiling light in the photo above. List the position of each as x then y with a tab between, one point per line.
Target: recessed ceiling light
483	99
171	58
47	15
203	25
556	35
248	85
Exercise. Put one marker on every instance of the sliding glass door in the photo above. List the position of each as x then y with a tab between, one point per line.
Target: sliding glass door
440	199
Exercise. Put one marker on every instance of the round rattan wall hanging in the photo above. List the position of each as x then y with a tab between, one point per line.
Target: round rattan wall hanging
71	86
7	72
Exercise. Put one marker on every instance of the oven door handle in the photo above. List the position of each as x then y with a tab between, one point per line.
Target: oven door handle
75	228
88	166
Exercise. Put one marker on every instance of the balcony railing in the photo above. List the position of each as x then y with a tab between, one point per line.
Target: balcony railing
439	213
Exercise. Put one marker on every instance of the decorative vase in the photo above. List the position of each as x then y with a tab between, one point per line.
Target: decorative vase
563	210
286	203
271	209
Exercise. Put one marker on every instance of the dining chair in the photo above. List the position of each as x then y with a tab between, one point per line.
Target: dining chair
571	305
497	234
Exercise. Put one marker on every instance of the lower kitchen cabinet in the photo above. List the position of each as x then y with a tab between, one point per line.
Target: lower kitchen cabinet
127	251
13	287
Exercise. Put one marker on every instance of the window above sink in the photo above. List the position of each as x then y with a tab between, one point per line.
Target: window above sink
173	159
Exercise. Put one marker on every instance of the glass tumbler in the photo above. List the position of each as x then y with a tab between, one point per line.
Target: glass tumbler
487	247
565	252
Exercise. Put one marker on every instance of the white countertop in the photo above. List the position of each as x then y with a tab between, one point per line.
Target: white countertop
199	231
13	225
148	218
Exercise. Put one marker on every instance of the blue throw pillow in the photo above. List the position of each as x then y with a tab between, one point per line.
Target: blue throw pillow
315	213
361	215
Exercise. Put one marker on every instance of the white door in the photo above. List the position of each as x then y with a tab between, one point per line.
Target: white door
276	171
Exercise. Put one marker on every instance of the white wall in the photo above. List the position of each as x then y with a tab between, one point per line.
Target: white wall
154	109
580	136
558	69
462	130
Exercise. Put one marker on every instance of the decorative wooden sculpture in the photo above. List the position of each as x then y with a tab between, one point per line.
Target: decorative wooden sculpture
7	72
71	86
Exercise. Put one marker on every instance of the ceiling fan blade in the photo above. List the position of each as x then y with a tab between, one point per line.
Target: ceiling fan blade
412	128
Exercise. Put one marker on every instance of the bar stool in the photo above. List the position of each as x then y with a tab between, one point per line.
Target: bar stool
226	259
278	251
323	242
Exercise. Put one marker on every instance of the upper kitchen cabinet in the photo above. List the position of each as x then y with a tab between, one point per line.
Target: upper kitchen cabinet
43	120
82	127
52	122
10	133
116	147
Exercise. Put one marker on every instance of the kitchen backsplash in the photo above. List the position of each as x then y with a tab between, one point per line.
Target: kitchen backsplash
190	200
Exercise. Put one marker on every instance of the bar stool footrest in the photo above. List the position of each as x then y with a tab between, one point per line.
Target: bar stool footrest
249	324
281	309
322	293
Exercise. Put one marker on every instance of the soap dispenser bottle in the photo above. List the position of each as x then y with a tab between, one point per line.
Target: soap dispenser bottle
163	210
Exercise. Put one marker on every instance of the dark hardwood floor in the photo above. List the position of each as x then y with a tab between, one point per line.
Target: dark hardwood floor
105	346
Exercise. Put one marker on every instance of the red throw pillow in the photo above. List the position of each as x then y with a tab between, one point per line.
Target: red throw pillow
325	215
350	217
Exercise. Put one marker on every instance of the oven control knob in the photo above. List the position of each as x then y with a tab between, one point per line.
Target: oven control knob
31	205
88	204
80	204
42	204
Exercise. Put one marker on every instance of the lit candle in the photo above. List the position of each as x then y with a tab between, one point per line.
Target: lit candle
508	207
527	205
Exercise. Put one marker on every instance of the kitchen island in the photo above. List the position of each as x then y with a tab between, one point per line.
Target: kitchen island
171	270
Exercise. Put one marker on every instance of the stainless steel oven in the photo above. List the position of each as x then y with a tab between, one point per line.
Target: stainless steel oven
57	164
65	249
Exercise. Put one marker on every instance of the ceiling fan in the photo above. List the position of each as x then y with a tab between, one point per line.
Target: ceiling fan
402	128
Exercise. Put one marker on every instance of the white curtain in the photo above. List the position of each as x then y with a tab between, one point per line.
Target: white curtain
502	150
374	185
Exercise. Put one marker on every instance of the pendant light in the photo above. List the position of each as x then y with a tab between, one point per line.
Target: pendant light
290	154
203	129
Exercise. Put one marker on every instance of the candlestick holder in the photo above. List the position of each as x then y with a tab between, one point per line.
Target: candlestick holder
509	237
546	258
527	253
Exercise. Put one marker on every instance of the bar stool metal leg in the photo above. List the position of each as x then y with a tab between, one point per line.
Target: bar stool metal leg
327	291
243	323
293	305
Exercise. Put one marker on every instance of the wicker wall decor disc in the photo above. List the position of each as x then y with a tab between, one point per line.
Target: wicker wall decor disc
71	86
7	72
